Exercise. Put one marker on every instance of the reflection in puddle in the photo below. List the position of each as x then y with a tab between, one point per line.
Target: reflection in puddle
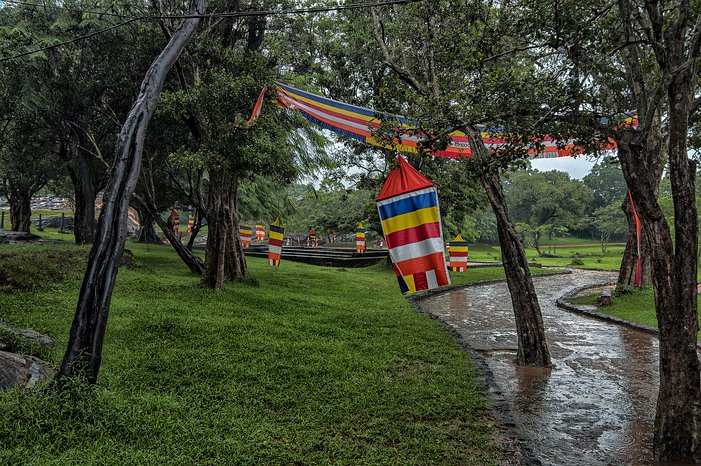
597	404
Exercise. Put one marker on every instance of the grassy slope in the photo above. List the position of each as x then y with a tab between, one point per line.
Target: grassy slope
315	365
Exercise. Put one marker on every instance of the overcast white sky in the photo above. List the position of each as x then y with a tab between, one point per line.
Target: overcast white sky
576	167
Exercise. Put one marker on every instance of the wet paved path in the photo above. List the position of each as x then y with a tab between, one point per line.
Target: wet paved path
596	406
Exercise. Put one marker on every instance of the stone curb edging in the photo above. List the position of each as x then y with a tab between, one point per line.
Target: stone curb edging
447	289
518	450
562	304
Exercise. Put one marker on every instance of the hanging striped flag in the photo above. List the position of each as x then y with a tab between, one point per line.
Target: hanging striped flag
359	123
360	239
275	237
260	232
245	234
256	111
458	249
408	207
190	221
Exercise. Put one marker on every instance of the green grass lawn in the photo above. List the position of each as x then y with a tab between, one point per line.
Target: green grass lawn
314	365
635	305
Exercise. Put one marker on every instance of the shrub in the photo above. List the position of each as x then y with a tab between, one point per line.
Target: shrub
26	268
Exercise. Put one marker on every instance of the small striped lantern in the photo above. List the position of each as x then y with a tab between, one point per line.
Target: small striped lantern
360	239
245	233
408	208
458	254
275	238
260	232
190	222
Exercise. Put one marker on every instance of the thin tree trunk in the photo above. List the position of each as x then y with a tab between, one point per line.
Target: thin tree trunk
532	345
84	223
20	211
627	271
193	262
236	267
146	233
196	227
84	350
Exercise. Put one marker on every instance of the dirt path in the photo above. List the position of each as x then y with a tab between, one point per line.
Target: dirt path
596	406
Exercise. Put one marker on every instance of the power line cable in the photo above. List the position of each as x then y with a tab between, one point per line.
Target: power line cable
237	14
234	14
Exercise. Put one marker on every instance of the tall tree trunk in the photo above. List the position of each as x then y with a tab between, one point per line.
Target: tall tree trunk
20	210
677	412
677	420
224	255
81	174
532	345
146	232
215	252
654	166
236	267
84	350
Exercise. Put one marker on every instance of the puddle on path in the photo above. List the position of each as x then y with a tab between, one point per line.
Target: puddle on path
597	405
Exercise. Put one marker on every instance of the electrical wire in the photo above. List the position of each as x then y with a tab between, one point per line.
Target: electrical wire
234	14
237	14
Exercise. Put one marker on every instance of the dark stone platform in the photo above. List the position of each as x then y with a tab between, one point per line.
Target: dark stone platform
329	257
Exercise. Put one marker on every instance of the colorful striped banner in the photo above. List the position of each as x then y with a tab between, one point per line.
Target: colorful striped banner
275	237
408	208
245	234
190	221
359	123
360	239
459	249
256	111
260	232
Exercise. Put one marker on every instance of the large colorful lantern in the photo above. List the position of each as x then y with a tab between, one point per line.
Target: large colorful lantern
275	237
245	234
260	232
458	254
360	239
408	207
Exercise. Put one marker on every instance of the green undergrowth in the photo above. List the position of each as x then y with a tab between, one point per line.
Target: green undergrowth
26	267
313	365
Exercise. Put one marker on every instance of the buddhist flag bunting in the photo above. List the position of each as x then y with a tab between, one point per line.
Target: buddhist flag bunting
458	254
275	237
408	207
260	232
360	239
361	124
245	234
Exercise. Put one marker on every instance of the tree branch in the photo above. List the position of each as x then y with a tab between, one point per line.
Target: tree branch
403	74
